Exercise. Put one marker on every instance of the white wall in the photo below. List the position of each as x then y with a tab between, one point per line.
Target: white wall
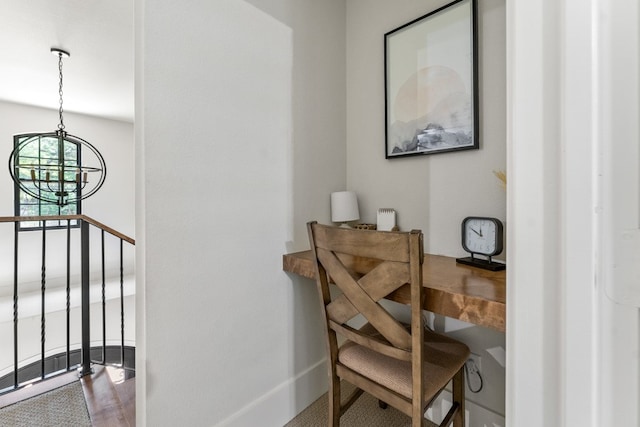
433	193
240	131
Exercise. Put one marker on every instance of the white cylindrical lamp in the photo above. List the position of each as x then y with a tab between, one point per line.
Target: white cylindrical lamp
344	206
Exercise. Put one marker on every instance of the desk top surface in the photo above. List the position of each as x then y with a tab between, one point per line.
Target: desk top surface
467	293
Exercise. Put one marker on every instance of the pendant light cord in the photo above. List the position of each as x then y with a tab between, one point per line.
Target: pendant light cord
61	124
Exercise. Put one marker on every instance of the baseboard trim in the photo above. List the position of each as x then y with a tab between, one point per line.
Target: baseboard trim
480	415
281	404
284	402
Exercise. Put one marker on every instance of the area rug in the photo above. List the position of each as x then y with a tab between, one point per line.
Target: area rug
363	413
64	406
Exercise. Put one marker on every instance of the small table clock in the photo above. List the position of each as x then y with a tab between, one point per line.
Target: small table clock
482	236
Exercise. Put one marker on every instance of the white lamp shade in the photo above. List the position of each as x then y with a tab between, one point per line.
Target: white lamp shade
344	206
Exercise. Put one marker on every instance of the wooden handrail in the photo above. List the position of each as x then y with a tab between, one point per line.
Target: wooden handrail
65	217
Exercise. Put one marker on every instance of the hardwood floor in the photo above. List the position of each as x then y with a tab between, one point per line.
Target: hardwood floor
110	398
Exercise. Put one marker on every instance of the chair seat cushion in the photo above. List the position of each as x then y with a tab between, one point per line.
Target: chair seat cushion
444	356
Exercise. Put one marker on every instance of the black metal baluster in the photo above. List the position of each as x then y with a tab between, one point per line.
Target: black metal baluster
15	304
43	289
86	323
68	295
121	305
85	368
86	362
104	311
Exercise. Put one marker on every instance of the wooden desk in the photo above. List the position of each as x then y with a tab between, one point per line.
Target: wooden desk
453	290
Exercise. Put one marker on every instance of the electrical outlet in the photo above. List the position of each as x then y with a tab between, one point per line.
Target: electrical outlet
473	376
474	364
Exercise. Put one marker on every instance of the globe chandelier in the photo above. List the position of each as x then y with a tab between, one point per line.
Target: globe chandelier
57	167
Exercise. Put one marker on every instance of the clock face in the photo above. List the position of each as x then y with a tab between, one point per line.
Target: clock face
482	235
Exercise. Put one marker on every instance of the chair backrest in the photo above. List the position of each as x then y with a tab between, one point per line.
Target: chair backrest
368	265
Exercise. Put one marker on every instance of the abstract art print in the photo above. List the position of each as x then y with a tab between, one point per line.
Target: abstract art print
431	94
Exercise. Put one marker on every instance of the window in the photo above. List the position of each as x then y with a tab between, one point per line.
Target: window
42	150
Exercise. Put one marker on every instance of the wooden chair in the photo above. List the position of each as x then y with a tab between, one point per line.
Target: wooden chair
405	366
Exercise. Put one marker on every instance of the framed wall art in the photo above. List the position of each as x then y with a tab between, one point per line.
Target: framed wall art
431	84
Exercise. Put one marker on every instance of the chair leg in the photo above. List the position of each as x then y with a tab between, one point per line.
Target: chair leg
334	401
458	396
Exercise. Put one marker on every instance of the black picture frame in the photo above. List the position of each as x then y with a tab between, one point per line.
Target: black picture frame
431	83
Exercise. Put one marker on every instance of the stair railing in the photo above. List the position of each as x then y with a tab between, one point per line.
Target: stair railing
84	222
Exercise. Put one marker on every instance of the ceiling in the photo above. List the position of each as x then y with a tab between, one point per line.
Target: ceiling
98	76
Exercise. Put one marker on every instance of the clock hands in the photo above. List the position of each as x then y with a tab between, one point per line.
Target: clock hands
479	233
